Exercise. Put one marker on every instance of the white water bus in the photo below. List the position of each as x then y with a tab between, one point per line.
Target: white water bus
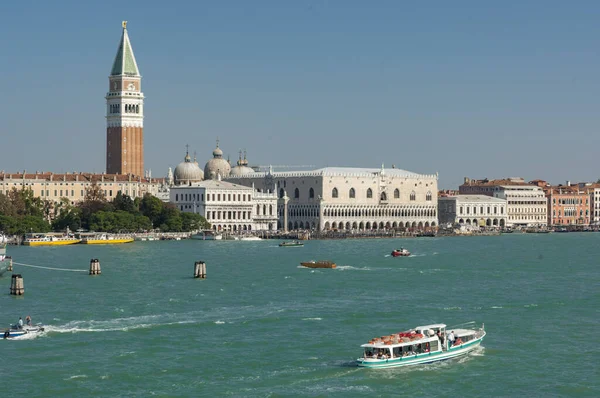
423	344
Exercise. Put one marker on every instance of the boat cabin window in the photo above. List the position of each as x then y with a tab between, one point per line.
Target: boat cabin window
377	353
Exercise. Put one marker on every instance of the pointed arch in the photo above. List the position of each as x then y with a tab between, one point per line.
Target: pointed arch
334	193
296	193
311	193
352	193
428	196
383	196
369	193
413	196
396	193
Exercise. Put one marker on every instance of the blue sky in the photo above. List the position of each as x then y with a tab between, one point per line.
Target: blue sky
465	88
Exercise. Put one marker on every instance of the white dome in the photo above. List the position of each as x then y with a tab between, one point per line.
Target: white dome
217	166
238	171
187	171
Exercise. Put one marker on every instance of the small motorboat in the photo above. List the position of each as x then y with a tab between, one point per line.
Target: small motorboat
402	252
319	264
14	331
291	244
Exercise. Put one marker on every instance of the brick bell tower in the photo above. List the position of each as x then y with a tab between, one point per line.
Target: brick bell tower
125	113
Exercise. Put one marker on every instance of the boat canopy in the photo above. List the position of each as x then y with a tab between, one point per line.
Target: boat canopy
434	326
412	342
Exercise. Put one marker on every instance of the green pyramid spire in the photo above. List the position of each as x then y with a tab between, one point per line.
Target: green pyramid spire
125	60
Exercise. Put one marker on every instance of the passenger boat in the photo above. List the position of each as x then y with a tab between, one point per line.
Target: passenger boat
250	238
206	235
4	260
14	331
319	264
105	239
400	253
291	244
421	345
42	239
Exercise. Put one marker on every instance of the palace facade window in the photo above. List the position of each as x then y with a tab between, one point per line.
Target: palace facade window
369	193
396	193
334	193
352	193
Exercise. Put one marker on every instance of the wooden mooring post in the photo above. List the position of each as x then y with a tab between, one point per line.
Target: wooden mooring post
95	267
10	268
200	269
16	285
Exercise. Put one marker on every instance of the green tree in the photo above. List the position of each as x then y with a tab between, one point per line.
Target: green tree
152	207
170	219
124	202
192	222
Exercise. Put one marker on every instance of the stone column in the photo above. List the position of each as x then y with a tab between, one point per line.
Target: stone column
285	211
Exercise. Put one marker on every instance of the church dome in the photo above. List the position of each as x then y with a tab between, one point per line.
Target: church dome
217	167
187	171
241	168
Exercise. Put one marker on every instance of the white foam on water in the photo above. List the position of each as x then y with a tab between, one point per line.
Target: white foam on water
76	377
387	255
351	268
312	319
219	322
497	307
530	305
104	377
452	308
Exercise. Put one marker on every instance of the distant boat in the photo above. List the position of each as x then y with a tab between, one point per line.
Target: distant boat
104	239
291	244
15	331
206	235
319	264
250	238
400	253
43	239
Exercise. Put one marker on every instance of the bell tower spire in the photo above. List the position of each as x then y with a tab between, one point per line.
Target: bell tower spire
125	113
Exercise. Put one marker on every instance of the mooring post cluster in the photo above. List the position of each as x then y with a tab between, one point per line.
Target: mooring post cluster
95	267
16	285
200	269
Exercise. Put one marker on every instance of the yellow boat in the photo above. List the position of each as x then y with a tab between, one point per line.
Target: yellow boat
104	239
49	240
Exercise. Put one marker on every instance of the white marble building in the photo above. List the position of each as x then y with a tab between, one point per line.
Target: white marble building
346	198
227	206
475	210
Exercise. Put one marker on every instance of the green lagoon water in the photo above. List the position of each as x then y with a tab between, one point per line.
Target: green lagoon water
261	325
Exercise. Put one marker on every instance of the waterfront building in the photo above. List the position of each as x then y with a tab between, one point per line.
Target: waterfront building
227	206
125	113
346	198
475	210
527	205
568	205
72	186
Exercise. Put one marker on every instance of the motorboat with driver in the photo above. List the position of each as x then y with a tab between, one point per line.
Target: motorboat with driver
16	331
402	252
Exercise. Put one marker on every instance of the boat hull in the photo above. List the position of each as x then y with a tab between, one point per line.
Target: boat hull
52	243
421	359
106	241
319	265
27	330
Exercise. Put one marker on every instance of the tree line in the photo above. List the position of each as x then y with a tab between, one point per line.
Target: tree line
21	212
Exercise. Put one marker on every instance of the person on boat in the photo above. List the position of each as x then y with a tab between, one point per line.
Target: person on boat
28	320
20	323
458	341
451	338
